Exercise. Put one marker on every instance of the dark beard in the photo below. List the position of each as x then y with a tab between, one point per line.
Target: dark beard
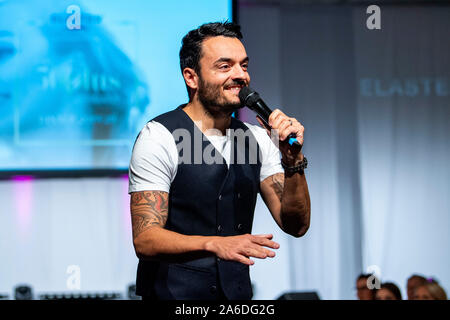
215	103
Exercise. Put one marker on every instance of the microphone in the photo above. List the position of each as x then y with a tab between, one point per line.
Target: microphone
251	99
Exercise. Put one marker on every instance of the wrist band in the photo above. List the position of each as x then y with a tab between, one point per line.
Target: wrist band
298	168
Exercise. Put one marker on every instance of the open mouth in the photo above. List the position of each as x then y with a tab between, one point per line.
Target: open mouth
235	89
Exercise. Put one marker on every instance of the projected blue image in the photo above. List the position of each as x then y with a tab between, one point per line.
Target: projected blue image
79	79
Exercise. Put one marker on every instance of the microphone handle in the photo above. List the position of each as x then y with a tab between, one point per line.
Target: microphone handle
263	111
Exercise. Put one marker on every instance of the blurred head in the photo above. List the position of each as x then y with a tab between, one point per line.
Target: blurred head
388	291
214	65
413	282
363	292
430	291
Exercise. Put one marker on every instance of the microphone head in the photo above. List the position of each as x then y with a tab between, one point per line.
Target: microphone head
248	96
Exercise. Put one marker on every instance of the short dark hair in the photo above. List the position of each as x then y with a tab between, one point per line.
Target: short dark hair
364	276
419	277
392	287
191	48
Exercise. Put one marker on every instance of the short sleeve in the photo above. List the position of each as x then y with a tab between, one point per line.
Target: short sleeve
271	156
154	159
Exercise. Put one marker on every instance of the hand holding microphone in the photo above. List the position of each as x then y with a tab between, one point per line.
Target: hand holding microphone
289	129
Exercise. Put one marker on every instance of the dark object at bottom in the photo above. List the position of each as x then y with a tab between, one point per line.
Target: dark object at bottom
80	296
132	292
312	295
23	292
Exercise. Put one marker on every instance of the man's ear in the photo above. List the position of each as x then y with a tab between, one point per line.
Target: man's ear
191	78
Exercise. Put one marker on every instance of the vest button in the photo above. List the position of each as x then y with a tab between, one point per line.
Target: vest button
220	197
239	227
219	228
213	289
239	195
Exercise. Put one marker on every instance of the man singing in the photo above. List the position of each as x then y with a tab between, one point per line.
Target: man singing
192	219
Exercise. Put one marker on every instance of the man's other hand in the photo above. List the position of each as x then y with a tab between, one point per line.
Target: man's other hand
240	248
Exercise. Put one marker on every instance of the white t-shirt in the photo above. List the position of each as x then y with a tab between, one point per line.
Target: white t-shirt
154	160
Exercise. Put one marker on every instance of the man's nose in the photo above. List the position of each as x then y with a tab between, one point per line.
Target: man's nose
240	74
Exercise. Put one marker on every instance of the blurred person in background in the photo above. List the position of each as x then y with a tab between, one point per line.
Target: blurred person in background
431	290
414	281
363	290
388	291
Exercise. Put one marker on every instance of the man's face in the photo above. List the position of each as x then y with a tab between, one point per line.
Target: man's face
384	294
362	291
421	293
411	286
223	72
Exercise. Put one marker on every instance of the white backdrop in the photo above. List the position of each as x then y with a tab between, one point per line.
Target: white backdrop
376	107
50	224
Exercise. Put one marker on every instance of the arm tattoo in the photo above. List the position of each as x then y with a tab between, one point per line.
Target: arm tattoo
148	208
278	184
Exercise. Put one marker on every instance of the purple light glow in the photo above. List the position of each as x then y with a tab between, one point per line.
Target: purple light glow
23	201
22	178
126	216
245	115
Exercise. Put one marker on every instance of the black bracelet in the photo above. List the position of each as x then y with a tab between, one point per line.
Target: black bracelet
298	168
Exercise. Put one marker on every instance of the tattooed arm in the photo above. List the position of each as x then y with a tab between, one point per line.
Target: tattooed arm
287	195
149	212
287	198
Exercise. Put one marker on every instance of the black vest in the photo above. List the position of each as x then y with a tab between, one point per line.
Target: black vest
208	200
